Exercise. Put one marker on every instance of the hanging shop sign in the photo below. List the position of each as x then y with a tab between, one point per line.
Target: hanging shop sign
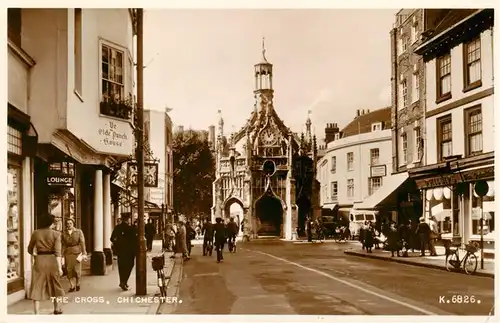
150	174
60	180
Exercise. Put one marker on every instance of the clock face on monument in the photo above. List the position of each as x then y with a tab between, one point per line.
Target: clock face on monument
268	137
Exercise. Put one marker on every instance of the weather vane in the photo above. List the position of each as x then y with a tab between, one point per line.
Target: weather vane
264	48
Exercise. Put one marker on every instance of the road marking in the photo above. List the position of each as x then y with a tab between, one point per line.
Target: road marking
207	274
350	284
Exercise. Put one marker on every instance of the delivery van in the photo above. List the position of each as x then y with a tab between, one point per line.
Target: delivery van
358	217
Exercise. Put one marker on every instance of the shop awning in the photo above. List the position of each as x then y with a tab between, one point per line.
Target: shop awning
389	186
330	206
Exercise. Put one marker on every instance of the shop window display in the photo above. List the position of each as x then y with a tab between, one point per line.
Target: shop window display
488	210
13	227
62	207
440	206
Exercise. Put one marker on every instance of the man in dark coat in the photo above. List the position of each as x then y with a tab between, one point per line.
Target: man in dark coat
149	232
124	240
232	231
423	232
208	236
190	235
220	238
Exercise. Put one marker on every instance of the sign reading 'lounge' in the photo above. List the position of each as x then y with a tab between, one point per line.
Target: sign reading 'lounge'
60	180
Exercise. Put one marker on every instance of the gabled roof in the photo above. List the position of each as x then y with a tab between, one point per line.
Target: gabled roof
363	123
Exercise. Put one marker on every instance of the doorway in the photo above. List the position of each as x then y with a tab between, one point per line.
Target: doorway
270	213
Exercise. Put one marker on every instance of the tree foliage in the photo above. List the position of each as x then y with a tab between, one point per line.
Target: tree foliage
194	172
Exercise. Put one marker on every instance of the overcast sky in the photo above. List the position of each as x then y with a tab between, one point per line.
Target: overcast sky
330	61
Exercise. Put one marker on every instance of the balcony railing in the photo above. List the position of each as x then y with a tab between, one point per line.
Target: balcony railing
117	108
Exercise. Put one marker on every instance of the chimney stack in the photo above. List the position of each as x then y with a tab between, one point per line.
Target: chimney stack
330	131
357	113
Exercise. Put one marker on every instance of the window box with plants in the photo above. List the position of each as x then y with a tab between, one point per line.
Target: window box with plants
116	107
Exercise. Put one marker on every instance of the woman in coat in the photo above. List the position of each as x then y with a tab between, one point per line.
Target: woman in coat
393	242
181	242
369	236
45	244
73	242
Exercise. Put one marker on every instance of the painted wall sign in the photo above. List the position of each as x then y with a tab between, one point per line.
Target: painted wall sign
60	180
455	178
114	137
378	171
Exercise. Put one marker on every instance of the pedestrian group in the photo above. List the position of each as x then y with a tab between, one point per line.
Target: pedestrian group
399	240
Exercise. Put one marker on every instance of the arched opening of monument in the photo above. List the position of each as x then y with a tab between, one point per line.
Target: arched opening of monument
233	209
304	205
270	213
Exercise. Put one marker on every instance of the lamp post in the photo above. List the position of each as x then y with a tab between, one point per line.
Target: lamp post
141	277
481	188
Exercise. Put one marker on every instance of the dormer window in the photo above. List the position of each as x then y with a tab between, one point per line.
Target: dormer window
377	126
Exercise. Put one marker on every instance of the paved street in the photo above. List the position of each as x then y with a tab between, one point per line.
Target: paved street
101	294
277	277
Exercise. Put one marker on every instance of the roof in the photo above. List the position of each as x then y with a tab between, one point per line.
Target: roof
363	123
451	18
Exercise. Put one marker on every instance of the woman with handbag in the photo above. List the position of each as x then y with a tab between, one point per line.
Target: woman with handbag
45	245
74	253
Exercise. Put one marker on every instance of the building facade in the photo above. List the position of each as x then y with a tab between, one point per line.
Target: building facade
71	86
160	198
157	122
265	168
459	121
357	164
407	90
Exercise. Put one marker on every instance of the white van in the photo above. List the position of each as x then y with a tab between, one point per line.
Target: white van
358	217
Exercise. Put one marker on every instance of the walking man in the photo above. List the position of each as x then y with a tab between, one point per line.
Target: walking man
190	235
423	231
220	238
124	242
232	232
149	232
208	237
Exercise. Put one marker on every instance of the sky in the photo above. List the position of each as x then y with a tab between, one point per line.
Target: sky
329	61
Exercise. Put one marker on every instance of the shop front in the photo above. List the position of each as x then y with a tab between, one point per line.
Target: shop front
450	197
20	148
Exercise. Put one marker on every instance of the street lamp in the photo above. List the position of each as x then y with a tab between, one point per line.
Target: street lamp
481	188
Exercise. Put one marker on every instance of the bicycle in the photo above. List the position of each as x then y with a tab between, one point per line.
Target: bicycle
208	247
231	244
158	263
453	260
342	235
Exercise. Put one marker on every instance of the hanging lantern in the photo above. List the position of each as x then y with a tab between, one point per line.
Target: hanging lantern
447	193
428	195
491	190
438	193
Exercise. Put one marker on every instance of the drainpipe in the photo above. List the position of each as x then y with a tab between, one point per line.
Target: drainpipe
396	94
492	57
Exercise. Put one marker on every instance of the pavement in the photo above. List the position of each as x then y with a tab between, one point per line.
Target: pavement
277	277
414	258
101	294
